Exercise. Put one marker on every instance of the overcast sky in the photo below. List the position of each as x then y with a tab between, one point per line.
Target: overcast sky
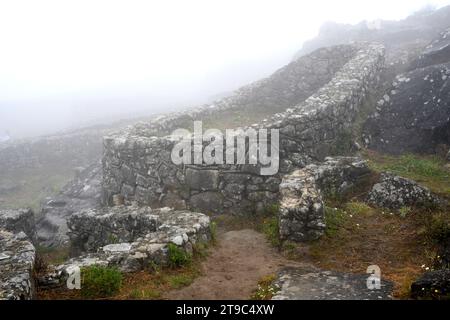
62	60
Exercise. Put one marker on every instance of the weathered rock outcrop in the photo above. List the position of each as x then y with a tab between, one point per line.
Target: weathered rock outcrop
84	192
313	284
414	114
403	39
436	53
17	256
433	284
301	216
138	166
16	221
395	192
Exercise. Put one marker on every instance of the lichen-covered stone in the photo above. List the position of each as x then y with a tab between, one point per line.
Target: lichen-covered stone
432	284
21	220
414	113
315	284
17	256
395	192
202	179
94	229
130	238
301	216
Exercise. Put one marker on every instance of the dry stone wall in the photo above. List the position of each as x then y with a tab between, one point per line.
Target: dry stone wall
138	168
17	256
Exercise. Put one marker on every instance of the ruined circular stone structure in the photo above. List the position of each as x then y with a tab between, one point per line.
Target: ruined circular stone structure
129	238
318	98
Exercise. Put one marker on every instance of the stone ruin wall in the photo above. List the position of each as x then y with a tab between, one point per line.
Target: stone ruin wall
138	168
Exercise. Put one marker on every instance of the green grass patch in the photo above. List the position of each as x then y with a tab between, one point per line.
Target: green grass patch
34	185
213	230
357	208
429	171
404	211
100	282
335	218
180	281
53	256
437	226
271	228
178	257
145	294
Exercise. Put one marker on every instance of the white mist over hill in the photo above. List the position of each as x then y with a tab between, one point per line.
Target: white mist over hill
70	63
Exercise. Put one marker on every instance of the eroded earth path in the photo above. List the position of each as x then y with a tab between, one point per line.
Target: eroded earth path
234	267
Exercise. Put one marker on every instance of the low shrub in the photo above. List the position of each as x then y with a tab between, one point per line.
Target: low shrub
271	228
100	282
178	257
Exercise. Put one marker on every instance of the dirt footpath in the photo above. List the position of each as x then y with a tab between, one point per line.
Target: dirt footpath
233	268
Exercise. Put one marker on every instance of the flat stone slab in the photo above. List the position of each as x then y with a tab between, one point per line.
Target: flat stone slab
311	284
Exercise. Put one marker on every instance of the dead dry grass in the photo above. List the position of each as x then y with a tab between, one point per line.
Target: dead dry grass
375	237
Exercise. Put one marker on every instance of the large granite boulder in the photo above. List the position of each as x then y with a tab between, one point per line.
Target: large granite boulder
20	220
301	214
395	192
17	256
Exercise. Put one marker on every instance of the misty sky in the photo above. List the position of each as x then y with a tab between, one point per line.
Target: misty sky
63	62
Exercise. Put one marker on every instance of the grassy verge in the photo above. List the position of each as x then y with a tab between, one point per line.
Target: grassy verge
53	256
107	283
429	171
33	185
358	236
